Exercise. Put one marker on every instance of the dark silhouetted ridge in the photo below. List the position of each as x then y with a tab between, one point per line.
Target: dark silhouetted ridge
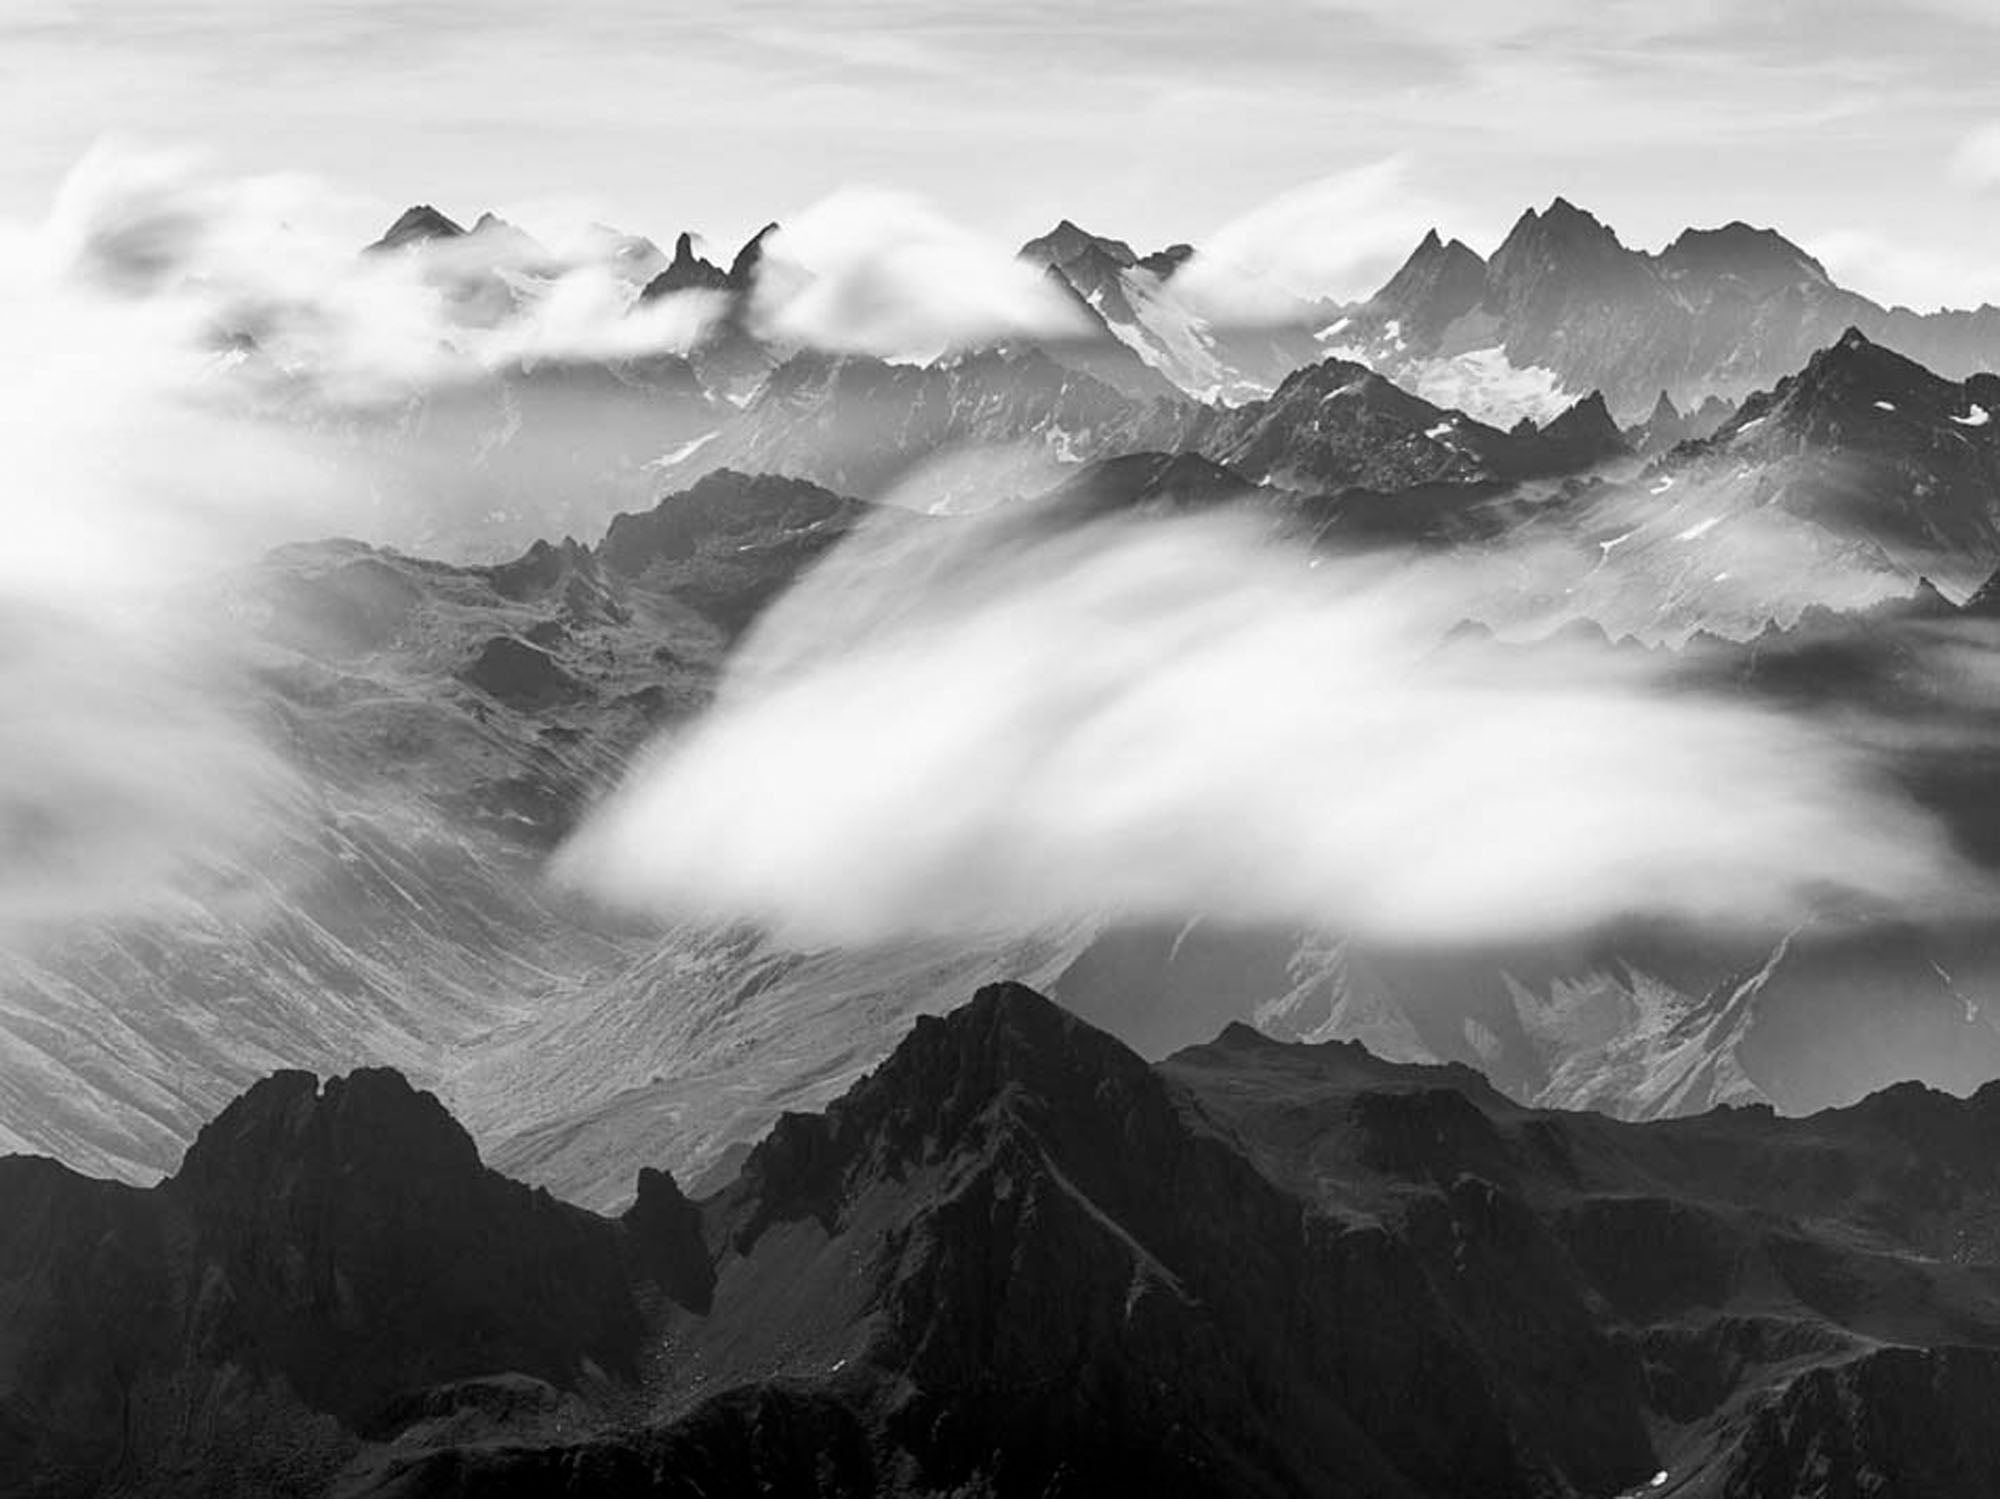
1015	1259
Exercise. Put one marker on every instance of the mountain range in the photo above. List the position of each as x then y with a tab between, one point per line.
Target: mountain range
1017	1259
1716	313
1670	343
1237	1209
451	721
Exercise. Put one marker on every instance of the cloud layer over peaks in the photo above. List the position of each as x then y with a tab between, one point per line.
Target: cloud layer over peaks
968	727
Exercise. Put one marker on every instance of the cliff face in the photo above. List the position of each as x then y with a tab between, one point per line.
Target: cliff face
1016	1259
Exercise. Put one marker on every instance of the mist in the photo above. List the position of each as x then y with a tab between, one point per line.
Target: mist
124	476
976	727
1337	238
873	272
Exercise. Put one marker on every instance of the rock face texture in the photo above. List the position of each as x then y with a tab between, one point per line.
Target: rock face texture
1016	1259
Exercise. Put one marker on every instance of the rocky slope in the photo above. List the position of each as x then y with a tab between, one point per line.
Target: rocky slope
959	434
446	725
1015	1259
1865	443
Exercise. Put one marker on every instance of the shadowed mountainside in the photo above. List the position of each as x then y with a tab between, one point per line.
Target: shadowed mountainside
1015	1259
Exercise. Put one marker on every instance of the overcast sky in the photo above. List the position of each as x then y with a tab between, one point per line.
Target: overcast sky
1867	129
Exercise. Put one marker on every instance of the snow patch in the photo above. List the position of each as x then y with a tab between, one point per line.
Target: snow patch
1171	337
1663	486
1699	529
685	451
1980	417
1885	405
1487	385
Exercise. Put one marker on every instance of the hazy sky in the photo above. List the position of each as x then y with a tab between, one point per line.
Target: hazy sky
1867	129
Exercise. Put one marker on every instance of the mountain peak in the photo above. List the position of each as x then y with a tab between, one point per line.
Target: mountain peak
417	224
1583	434
1068	242
370	1122
1561	250
1163	263
502	236
687	271
1856	362
744	266
949	1069
1563	222
1439	282
1762	258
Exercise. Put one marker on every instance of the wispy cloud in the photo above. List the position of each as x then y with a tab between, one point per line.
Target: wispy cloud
882	273
992	730
1339	237
1897	271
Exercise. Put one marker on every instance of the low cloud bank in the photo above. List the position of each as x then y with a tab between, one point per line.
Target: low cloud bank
974	727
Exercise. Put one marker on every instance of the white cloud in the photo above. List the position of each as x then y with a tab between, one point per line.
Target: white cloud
269	256
875	272
1921	276
989	732
1338	237
122	769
